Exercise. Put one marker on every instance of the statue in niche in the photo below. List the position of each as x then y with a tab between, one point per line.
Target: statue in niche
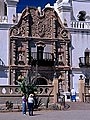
21	54
21	77
21	58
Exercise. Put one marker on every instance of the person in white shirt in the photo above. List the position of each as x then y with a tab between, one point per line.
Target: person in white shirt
30	104
73	95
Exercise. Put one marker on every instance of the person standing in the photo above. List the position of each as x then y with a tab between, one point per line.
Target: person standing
24	104
73	95
30	104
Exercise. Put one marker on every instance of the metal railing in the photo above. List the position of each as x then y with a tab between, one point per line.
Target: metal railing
46	56
80	24
84	61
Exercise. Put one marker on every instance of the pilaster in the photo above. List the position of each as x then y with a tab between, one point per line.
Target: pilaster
81	88
55	90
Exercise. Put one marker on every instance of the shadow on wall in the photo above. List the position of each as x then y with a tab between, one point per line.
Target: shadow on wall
1	63
3	74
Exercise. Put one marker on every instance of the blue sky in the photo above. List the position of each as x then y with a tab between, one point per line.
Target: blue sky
23	3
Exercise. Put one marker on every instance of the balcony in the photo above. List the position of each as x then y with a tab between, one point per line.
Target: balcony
42	59
80	25
84	62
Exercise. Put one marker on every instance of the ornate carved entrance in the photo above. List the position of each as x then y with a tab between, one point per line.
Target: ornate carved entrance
39	43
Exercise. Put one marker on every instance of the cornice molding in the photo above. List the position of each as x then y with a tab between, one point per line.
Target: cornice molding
5	26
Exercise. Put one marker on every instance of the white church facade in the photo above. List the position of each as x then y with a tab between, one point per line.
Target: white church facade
7	13
75	16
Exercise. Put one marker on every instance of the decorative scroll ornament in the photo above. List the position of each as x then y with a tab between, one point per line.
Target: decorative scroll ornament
14	32
41	29
64	33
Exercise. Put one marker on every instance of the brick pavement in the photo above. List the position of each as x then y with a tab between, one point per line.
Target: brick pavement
76	111
48	115
78	106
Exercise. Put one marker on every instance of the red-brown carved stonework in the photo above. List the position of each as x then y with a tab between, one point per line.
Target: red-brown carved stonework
45	25
64	33
41	28
14	31
39	40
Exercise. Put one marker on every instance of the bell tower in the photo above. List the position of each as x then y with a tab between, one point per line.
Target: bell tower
64	9
11	9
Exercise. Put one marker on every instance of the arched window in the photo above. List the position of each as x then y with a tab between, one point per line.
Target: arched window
40	48
40	53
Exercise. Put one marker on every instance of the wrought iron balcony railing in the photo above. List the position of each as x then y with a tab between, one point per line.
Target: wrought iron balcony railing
43	59
84	62
44	56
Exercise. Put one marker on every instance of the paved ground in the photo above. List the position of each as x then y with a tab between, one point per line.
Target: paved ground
76	111
48	115
78	106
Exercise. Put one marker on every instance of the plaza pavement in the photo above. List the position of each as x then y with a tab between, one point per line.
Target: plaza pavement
48	115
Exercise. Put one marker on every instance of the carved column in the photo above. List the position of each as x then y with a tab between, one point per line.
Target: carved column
54	50
27	28
55	90
53	27
12	53
66	54
66	81
12	77
27	53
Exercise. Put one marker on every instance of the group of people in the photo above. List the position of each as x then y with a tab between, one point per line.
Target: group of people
30	103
